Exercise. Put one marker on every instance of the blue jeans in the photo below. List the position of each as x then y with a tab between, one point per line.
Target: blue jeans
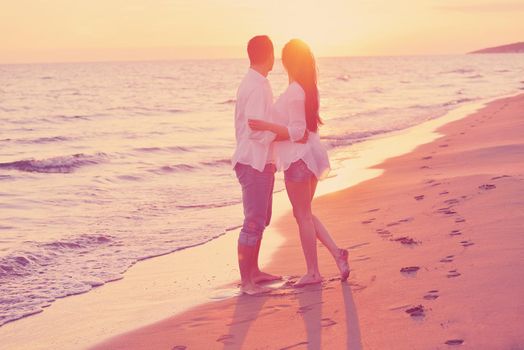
257	198
298	172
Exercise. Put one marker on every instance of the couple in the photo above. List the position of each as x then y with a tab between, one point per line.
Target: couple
281	136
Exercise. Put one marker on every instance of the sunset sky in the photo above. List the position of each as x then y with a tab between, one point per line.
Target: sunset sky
74	30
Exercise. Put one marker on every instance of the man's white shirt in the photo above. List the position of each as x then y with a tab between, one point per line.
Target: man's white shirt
254	101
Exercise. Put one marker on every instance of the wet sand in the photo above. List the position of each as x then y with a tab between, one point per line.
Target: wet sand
436	249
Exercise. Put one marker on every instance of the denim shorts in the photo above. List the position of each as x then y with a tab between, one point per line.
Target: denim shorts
257	200
298	172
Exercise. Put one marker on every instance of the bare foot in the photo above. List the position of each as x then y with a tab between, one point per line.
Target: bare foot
260	276
253	289
342	263
307	280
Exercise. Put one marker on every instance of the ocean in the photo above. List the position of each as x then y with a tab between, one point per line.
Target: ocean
105	164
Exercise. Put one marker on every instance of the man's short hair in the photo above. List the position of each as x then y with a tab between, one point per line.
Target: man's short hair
259	49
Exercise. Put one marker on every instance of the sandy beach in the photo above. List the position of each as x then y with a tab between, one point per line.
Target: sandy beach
436	251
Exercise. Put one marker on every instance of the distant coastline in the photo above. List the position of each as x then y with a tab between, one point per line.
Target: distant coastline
510	48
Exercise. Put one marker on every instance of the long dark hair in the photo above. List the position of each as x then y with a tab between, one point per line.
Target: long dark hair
300	64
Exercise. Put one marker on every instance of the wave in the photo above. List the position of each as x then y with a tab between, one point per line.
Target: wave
346	139
77	116
176	168
63	117
62	164
183	167
22	263
42	140
217	162
228	102
145	110
162	149
458	101
32	279
209	205
459	71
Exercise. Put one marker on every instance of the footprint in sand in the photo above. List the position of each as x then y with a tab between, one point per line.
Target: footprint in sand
406	240
455	233
179	347
406	220
392	224
419	197
451	201
431	295
360	258
373	210
454	342
460	220
447	259
486	187
409	270
499	177
432	182
327	322
443	145
369	221
443	193
466	243
416	311
425	167
357	245
224	337
306	308
427	158
453	273
294	345
383	232
446	210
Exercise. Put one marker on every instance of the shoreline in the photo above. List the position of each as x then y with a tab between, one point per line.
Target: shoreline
426	272
121	319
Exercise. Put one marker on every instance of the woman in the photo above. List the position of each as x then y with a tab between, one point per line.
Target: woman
296	111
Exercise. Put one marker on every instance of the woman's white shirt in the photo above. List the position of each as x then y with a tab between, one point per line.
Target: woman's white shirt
289	110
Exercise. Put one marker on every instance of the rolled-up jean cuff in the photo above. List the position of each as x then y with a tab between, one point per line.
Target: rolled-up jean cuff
248	238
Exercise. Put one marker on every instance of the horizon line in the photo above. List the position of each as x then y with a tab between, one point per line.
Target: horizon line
219	58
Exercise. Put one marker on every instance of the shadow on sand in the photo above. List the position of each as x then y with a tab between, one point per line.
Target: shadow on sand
307	304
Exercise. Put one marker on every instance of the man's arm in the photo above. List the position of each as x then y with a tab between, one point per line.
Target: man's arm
256	109
281	132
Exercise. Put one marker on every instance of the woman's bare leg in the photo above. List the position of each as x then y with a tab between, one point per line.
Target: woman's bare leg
340	255
299	194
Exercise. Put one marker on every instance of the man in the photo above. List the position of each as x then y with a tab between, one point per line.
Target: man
253	162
